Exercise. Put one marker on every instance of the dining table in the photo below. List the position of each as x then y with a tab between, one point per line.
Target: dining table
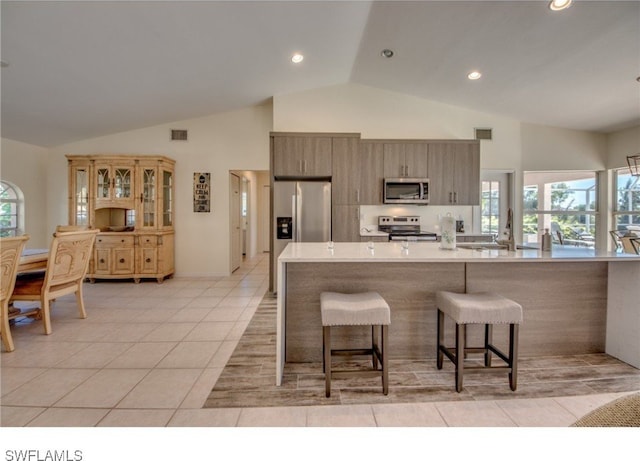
33	259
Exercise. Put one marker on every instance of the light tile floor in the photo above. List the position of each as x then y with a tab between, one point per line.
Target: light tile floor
149	354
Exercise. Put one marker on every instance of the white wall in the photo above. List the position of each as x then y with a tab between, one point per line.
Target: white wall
620	144
379	114
24	165
547	148
219	143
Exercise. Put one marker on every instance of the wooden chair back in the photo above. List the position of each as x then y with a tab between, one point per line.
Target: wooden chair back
69	258
10	252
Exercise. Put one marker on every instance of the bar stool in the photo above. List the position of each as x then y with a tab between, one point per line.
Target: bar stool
340	309
478	308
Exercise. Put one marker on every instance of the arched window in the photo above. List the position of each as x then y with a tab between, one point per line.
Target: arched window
11	210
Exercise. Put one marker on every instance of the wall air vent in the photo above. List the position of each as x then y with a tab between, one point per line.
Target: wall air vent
484	133
178	135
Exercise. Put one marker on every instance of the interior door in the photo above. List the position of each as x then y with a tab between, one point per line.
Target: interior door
235	209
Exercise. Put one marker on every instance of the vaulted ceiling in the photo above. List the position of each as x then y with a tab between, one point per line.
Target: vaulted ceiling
81	69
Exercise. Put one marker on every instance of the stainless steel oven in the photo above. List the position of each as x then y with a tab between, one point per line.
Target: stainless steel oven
404	228
412	191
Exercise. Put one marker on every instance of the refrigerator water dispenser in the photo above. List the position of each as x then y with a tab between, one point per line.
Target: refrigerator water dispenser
284	227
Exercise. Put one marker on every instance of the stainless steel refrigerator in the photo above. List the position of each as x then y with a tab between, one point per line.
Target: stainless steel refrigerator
301	213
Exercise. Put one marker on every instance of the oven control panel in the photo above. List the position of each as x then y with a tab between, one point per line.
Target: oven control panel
399	220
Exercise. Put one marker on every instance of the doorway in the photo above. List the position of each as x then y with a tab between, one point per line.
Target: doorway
235	219
249	203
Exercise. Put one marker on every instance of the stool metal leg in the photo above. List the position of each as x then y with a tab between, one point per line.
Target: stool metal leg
326	341
385	360
488	339
459	356
513	355
440	339
374	345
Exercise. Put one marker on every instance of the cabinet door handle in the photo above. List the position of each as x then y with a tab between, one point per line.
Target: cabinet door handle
141	197
101	261
450	197
357	195
455	197
122	240
121	260
300	166
148	260
357	214
304	166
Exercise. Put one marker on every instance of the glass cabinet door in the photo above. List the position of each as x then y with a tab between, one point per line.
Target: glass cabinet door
104	183
81	197
122	183
167	198
148	197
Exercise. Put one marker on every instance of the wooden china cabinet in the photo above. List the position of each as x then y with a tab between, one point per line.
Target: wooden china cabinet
130	198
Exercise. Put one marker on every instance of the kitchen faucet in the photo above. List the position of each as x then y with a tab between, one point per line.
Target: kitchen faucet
509	242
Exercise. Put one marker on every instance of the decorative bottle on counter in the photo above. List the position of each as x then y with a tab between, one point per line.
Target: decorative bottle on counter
546	241
448	230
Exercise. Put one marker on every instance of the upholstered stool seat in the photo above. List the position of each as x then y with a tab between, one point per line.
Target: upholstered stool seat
483	308
341	309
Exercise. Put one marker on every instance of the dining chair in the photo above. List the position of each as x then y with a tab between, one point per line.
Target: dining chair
66	268
64	228
615	235
635	243
627	244
10	251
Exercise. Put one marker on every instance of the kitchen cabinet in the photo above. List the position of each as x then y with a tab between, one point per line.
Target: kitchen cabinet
406	159
299	156
357	172
454	168
371	169
131	200
345	223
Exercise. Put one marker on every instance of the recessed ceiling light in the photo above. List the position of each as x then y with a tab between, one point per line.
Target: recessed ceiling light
387	53
297	58
475	75
557	5
638	79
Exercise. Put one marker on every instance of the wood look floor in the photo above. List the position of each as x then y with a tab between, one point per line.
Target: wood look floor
248	378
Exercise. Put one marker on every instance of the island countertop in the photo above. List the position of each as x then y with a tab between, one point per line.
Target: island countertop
576	300
431	252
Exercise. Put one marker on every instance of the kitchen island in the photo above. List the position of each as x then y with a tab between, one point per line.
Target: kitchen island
575	300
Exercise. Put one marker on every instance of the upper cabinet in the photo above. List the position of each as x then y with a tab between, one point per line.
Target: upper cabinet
299	156
140	188
114	184
454	173
406	159
357	172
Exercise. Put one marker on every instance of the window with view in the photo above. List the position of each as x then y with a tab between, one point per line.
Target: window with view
563	202
626	214
490	206
10	209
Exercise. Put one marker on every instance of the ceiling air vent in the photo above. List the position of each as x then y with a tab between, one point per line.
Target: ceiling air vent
484	133
178	135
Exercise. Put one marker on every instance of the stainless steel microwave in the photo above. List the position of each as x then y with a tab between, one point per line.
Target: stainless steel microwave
411	191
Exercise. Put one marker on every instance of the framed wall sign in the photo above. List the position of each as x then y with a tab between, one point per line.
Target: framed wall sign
201	188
